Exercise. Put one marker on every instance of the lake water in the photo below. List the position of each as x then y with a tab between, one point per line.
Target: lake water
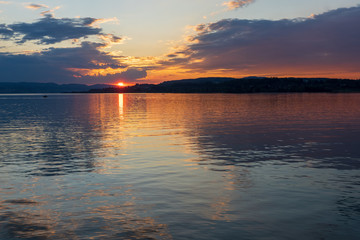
180	166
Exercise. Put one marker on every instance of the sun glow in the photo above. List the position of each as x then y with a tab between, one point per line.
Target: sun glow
120	84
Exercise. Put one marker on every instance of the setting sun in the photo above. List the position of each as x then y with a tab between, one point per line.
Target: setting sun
121	84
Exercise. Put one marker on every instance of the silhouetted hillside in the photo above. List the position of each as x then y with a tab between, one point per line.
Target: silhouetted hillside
242	85
199	85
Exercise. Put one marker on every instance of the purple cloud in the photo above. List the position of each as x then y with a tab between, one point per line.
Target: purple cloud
326	42
87	63
50	30
65	65
130	75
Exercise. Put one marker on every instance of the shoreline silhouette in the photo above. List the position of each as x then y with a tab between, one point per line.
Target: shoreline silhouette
198	85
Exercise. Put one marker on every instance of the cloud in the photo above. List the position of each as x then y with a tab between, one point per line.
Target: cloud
87	62
25	68
49	13
105	20
129	75
132	74
36	6
324	43
87	56
231	5
50	30
5	31
111	39
66	65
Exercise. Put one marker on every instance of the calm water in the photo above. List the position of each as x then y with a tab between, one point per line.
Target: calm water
177	166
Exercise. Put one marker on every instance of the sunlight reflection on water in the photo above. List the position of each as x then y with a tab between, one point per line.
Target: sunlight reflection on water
180	166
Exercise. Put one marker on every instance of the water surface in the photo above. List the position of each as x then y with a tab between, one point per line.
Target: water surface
180	166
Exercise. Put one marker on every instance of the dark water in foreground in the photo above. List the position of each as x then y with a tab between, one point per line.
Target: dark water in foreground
173	166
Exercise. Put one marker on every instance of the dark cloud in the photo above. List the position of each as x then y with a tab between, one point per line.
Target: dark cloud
131	75
65	65
5	32
31	68
324	42
88	56
87	63
50	30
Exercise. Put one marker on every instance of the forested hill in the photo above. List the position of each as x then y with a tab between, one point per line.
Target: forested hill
242	85
199	85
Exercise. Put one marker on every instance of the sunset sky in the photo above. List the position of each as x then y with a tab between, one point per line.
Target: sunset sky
150	41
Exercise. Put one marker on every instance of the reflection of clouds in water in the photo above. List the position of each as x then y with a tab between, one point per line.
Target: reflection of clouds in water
25	219
122	223
250	129
230	134
110	213
316	155
24	225
48	139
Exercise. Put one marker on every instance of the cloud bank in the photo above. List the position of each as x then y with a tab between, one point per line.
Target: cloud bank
325	43
86	63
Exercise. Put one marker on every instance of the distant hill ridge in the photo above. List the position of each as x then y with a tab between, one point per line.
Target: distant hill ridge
198	80
242	85
250	84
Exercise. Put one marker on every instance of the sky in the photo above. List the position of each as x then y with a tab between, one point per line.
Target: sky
151	41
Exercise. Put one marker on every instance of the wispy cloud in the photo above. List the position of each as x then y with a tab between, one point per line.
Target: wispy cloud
231	5
105	20
36	6
50	12
111	39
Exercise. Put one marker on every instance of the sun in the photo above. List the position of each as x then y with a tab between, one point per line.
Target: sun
120	84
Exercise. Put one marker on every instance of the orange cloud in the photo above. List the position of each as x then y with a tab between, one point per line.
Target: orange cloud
36	6
105	20
96	72
110	39
231	5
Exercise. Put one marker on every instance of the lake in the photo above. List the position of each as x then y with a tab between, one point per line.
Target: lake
180	166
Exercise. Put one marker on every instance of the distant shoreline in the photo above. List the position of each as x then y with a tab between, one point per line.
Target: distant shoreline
199	85
242	85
